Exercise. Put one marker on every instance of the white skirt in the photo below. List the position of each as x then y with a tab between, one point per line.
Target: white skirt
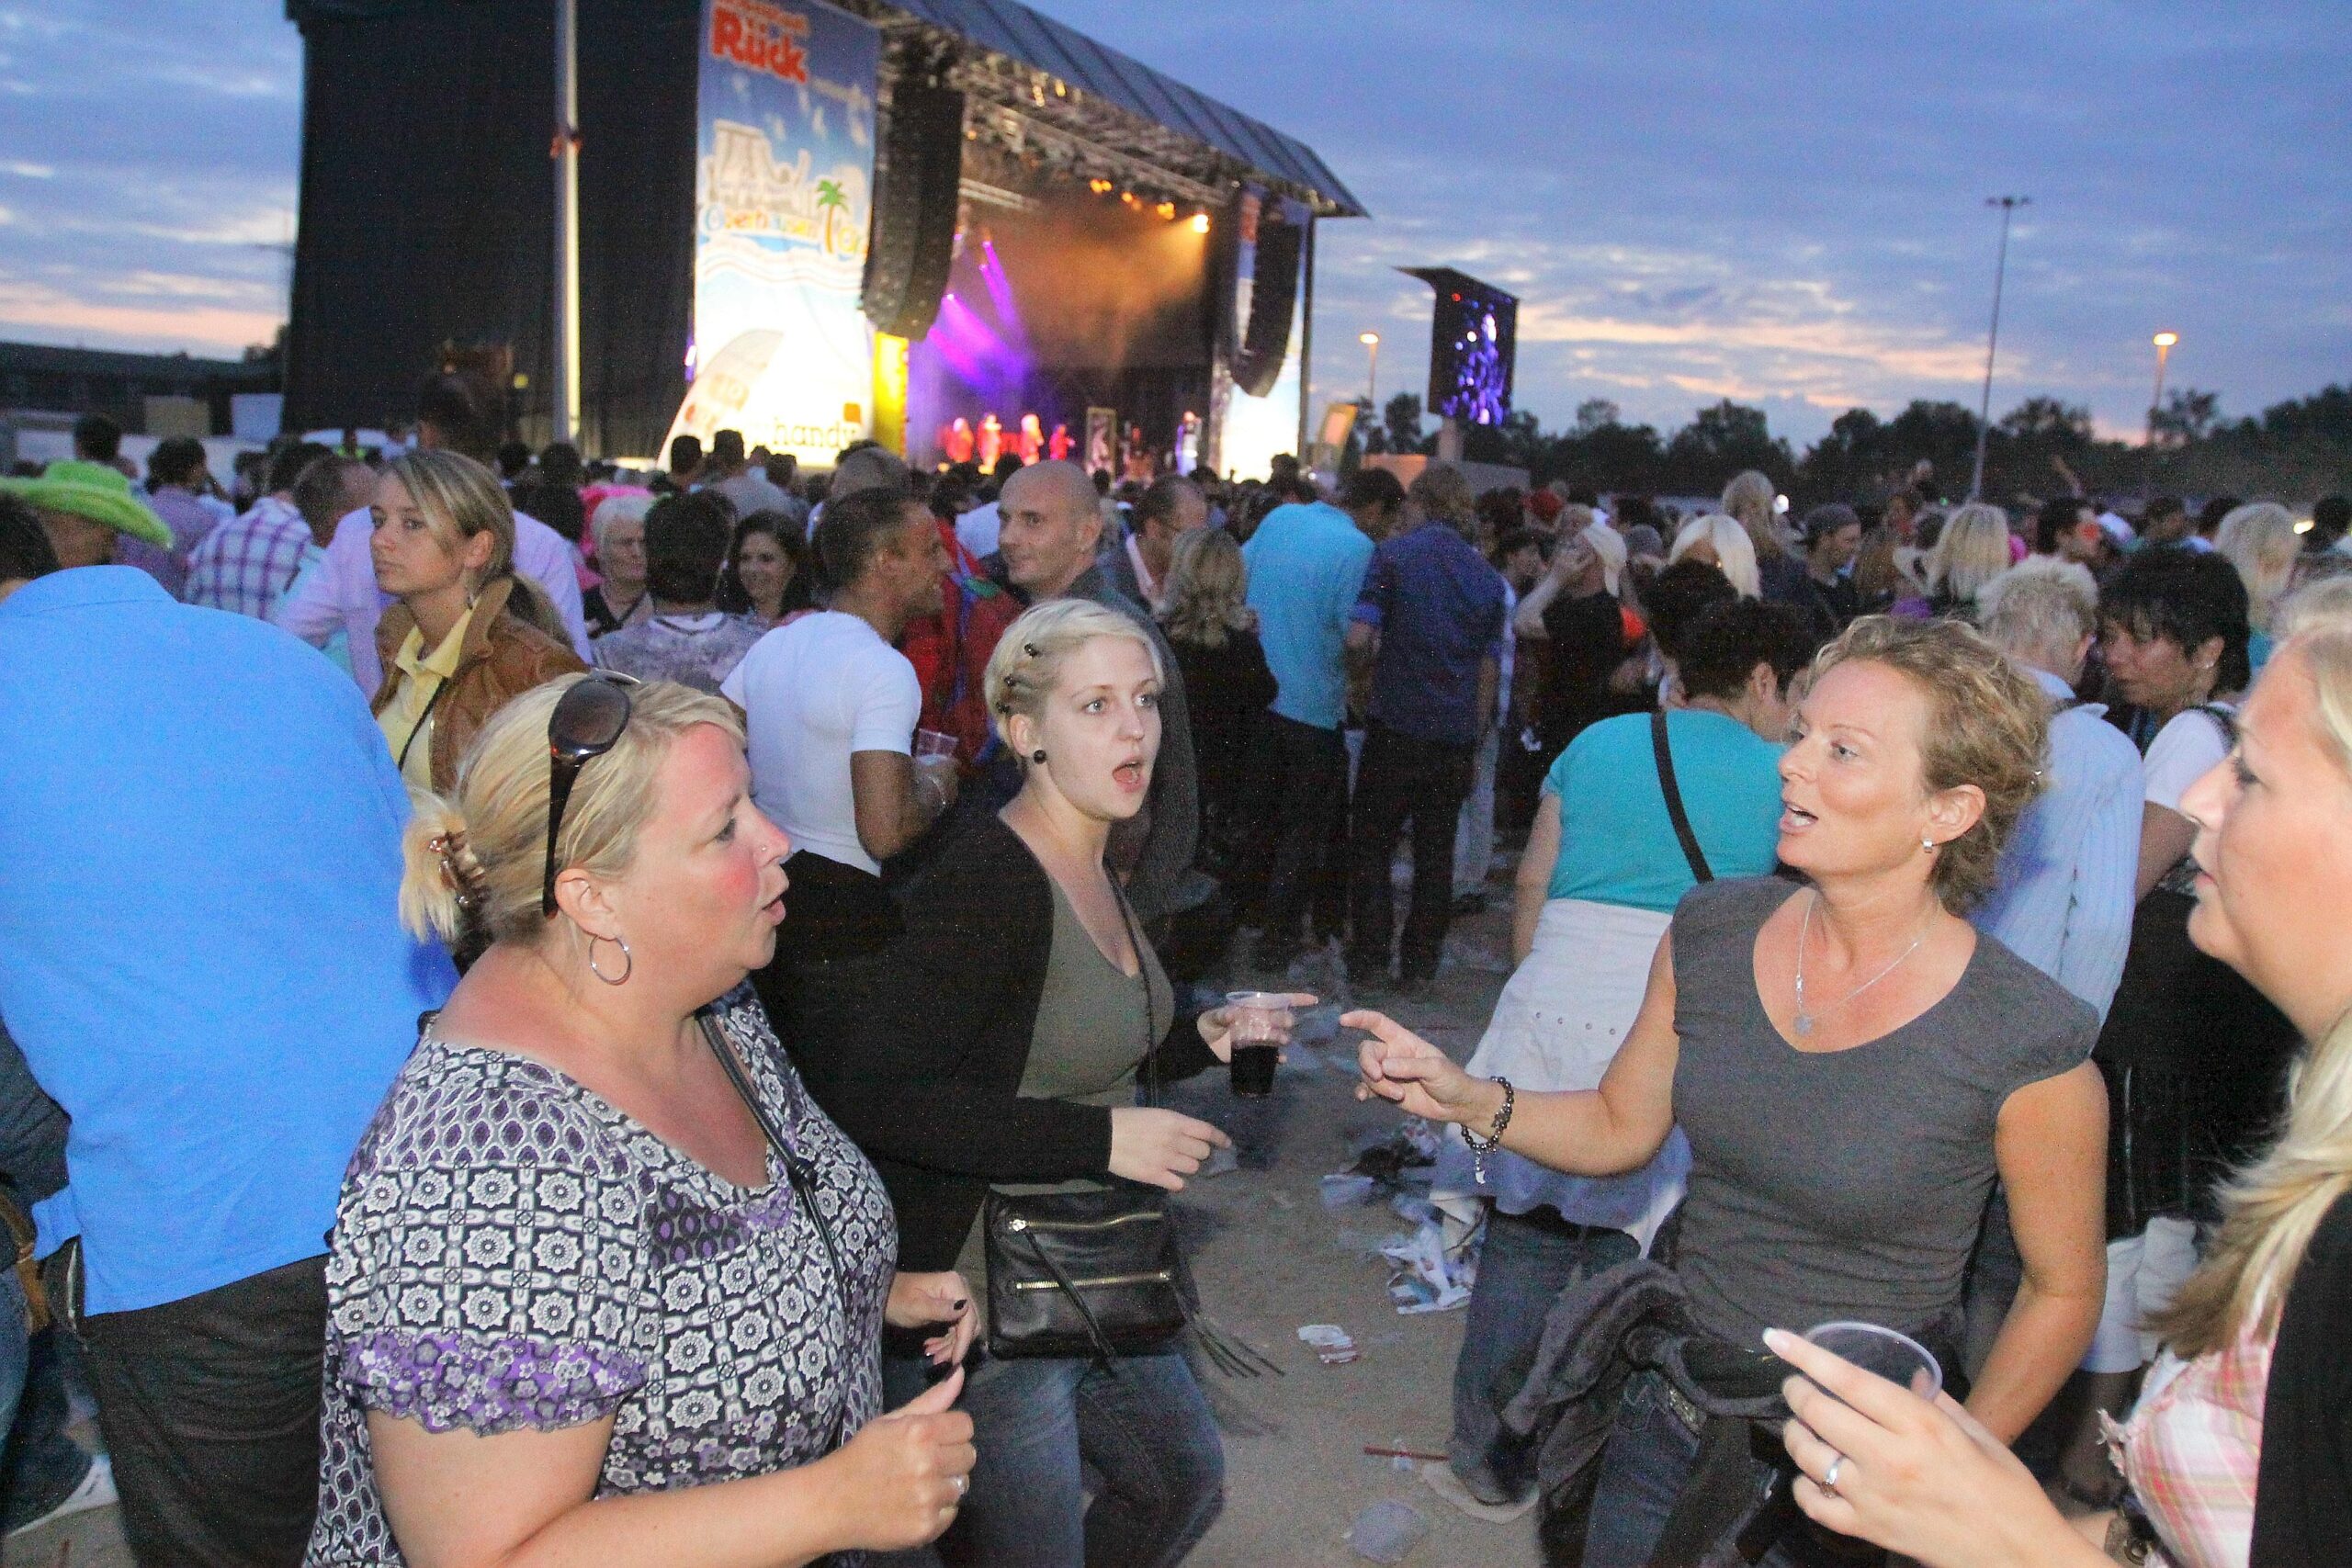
1557	1025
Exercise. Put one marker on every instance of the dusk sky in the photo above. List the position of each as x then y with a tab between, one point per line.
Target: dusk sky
1778	203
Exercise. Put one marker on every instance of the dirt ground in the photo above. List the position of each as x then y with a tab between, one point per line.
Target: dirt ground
1269	1258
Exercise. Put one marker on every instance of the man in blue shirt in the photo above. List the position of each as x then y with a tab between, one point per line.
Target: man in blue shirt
1430	620
2065	895
1307	565
200	955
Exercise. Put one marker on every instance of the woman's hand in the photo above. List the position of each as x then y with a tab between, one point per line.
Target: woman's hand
902	1479
1924	1480
1216	1024
1398	1065
1159	1149
923	1301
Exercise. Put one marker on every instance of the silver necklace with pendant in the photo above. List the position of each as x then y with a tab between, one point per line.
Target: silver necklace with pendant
1806	1020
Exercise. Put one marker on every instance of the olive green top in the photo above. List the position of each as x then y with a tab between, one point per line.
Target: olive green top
1095	1025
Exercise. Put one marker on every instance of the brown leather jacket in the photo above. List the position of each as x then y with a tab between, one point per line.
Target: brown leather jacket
502	657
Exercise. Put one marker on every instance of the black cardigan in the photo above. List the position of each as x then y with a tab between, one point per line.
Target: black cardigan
926	1080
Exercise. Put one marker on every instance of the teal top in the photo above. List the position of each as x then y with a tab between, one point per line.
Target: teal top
1617	843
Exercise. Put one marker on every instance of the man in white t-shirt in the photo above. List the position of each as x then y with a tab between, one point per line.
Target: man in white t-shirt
830	709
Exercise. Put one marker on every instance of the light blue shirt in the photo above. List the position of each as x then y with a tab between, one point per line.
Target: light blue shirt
1617	840
1307	565
338	646
2063	894
199	946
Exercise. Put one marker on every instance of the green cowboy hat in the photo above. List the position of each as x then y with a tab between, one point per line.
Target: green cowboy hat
93	490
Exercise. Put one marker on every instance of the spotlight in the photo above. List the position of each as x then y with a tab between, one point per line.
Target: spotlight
1200	222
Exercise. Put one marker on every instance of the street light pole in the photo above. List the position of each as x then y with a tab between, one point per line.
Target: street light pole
2008	206
1371	341
566	154
2164	342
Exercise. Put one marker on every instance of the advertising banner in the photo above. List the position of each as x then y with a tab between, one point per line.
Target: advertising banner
784	178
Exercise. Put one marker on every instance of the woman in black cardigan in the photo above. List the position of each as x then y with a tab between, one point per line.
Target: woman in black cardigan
1005	1051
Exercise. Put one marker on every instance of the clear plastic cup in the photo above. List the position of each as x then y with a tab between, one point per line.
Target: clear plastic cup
1261	1021
934	744
1899	1359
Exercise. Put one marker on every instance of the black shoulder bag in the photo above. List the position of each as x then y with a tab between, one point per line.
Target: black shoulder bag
1682	818
1093	1273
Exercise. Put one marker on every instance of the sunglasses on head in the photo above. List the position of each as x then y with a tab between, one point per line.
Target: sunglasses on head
588	721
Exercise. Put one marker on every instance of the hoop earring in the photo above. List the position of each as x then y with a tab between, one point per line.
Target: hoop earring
630	968
1926	846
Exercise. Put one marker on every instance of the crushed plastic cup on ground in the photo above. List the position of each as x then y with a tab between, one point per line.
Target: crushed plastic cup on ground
1333	1348
1387	1531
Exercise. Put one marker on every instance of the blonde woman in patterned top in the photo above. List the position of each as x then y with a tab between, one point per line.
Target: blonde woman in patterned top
606	1285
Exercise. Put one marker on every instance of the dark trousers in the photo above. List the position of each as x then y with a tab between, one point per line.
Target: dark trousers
209	1406
1403	778
1305	794
1527	1261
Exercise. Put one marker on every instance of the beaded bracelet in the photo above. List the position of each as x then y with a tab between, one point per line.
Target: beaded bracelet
1483	1146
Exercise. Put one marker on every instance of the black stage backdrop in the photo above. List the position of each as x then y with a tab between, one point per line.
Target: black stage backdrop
427	207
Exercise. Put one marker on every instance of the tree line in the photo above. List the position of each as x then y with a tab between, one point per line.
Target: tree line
2296	450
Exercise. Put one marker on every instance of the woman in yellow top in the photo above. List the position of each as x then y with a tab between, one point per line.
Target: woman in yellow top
468	632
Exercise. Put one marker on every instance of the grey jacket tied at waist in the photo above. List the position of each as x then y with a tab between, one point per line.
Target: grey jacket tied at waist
1599	1334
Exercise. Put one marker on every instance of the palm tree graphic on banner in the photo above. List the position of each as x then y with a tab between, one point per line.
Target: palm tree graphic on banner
830	200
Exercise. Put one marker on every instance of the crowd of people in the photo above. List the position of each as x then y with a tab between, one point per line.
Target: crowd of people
680	937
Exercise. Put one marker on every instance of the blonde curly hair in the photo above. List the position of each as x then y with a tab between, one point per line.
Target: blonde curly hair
1988	726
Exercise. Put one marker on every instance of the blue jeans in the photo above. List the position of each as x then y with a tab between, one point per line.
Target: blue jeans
1139	1437
1649	1459
1527	1260
42	1465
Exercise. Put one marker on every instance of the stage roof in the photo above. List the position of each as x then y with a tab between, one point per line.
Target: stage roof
1032	38
1018	36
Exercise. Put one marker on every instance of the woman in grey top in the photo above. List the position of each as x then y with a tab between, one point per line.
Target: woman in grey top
1853	1063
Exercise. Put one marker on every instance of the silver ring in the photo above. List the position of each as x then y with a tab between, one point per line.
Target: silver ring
963	1486
1830	1476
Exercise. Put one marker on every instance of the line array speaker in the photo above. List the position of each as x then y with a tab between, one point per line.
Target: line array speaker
914	208
1273	294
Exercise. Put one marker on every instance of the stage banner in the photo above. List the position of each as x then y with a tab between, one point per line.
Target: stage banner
784	201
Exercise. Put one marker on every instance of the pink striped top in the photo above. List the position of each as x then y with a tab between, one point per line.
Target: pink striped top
2191	1449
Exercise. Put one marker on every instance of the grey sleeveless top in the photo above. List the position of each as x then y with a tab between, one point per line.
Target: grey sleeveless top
1095	1025
1848	1184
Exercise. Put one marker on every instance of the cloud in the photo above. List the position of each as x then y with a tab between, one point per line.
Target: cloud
47	314
28	171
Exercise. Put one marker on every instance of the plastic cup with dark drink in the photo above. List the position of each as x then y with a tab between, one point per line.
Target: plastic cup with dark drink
1262	1021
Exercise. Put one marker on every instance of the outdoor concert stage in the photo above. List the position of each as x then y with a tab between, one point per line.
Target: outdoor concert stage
956	226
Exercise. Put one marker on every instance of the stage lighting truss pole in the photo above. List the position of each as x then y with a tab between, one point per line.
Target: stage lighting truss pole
2008	206
1306	347
565	151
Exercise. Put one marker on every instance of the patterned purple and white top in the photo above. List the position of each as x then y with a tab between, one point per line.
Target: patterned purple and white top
243	566
513	1251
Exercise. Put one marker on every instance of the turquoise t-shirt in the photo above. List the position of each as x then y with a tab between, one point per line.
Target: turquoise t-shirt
1617	843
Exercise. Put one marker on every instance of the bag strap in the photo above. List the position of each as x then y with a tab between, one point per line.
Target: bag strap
1682	818
797	1172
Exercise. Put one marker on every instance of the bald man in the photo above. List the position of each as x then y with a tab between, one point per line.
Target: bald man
1051	526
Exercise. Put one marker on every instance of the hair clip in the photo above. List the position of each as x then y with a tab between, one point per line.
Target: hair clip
1030	649
448	847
